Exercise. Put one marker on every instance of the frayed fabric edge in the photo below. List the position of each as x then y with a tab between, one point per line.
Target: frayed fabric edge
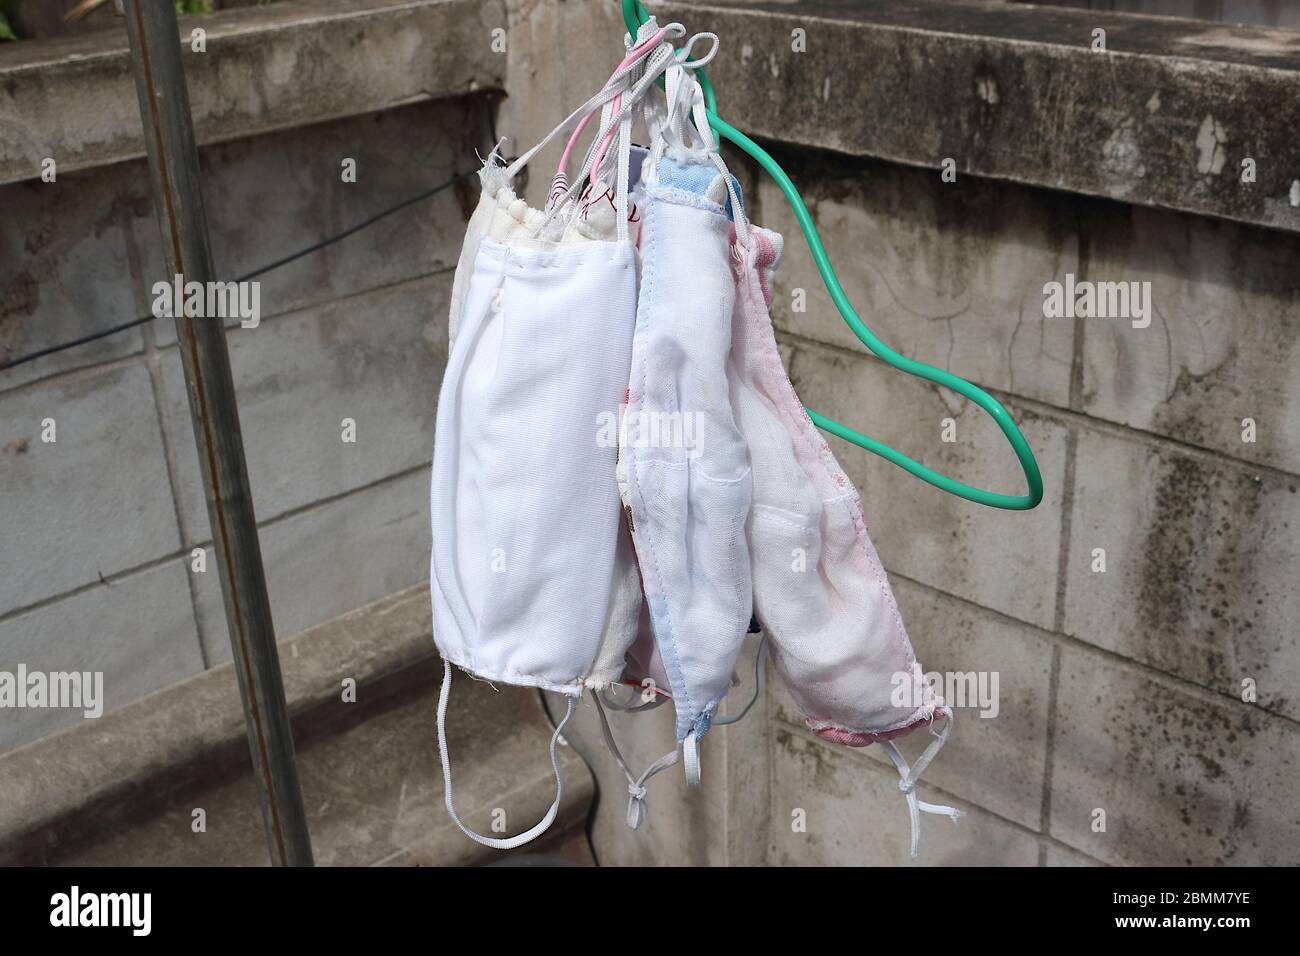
573	688
849	737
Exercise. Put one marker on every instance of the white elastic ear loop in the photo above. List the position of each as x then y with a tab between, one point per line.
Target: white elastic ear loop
672	132
909	776
684	53
631	99
533	832
607	93
602	97
700	114
636	809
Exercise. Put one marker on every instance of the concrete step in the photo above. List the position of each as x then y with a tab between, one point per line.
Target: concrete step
123	789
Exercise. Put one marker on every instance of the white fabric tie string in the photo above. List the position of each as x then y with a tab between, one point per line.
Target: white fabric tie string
909	776
636	786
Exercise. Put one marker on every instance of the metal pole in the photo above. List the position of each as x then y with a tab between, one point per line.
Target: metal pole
174	171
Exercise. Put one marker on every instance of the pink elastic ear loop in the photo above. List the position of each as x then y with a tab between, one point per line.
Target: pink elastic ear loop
633	55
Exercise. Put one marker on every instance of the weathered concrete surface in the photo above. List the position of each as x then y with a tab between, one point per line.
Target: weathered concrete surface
1201	558
343	524
331	557
269	196
376	358
1163	118
1127	424
123	790
995	755
1224	341
82	254
265	68
99	628
1183	777
1003	560
66	271
69	519
927	267
834	807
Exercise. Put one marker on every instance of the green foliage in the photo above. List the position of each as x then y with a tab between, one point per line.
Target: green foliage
6	31
193	6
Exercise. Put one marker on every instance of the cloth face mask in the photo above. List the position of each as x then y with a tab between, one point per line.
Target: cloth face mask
684	469
837	639
524	502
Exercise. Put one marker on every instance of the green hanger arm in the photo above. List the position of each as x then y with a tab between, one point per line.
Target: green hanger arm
635	15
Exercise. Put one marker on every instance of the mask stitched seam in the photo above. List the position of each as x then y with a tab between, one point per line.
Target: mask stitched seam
510	675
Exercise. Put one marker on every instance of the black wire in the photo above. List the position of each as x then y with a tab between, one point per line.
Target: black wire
315	247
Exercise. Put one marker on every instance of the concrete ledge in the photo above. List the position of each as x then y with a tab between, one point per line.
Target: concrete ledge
1012	91
265	68
121	790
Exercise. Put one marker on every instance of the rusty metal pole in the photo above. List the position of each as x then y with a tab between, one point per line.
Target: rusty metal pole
174	170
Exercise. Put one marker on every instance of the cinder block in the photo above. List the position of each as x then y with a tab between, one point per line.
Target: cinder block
1222	344
1184	778
66	271
376	358
1002	560
139	632
263	70
854	815
1057	855
995	761
1200	560
269	196
95	501
331	558
950	274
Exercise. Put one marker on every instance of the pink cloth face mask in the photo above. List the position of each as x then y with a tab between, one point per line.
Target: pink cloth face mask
820	592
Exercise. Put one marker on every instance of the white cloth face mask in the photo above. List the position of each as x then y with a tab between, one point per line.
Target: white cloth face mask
684	468
820	592
525	506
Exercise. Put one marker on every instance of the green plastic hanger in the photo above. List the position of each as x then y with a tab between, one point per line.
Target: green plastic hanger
635	14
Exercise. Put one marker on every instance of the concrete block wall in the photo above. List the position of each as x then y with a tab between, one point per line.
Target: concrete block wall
97	528
1121	690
